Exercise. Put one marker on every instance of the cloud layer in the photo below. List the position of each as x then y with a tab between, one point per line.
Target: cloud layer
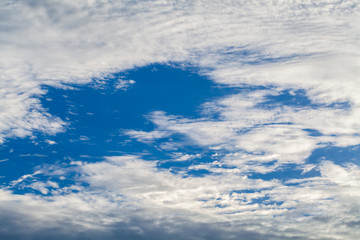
128	192
303	53
72	42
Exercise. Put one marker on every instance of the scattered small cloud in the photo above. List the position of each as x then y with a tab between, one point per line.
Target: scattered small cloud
50	142
84	138
124	84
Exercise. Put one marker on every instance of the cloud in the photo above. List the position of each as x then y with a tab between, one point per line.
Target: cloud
147	137
50	142
129	197
66	42
245	128
262	48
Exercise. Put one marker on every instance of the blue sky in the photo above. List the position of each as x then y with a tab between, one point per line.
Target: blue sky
179	120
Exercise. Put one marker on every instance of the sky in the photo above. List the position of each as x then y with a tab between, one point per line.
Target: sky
160	119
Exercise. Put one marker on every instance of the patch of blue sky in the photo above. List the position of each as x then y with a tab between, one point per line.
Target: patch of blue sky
313	132
205	156
285	173
266	199
297	99
338	155
44	177
98	114
197	173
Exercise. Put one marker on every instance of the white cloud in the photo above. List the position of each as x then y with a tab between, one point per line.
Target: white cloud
125	187
43	187
147	137
277	133
124	84
67	42
244	127
50	142
307	45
